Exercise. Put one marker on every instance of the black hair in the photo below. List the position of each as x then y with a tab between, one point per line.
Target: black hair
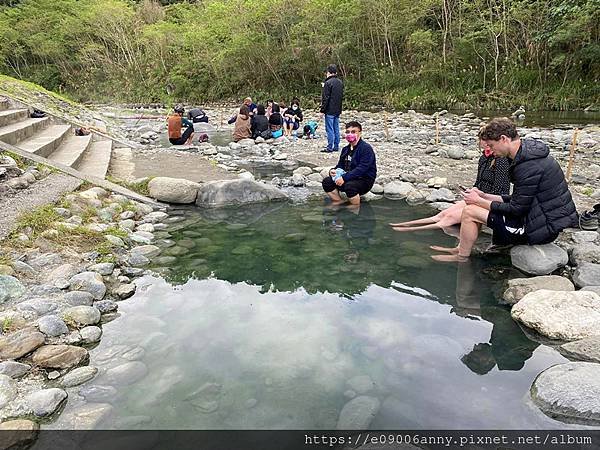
260	110
354	124
275	108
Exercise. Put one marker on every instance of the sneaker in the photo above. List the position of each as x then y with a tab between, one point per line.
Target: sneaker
590	220
326	150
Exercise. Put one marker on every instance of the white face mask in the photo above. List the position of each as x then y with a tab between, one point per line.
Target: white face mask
295	107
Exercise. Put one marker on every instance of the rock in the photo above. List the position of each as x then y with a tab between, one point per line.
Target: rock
126	216
397	189
14	369
415	197
115	240
149	251
8	390
6	270
173	190
538	259
582	237
18	344
88	416
125	290
155	217
587	349
298	180
62	274
304	171
519	287
10	288
361	384
142	237
585	253
441	195
88	282
587	274
40	306
19	434
455	152
569	392
59	356
103	269
45	402
236	192
246	175
127	373
52	325
358	413
595	289
90	335
78	298
437	182
137	260
206	398
79	376
82	315
560	314
377	189
98	393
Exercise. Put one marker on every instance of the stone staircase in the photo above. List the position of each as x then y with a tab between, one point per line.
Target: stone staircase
55	140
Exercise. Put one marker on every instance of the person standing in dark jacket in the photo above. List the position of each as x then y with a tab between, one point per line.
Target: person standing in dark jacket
539	208
331	107
356	170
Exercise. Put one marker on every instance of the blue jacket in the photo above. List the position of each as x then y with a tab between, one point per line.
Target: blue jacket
361	164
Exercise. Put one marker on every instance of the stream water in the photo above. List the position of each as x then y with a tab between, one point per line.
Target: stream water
277	316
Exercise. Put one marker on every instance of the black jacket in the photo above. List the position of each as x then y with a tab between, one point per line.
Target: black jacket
258	124
540	194
297	113
332	95
360	163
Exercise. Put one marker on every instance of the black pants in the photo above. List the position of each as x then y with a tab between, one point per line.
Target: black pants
200	119
184	137
507	230
356	186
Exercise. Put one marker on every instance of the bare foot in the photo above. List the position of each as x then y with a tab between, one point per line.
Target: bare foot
449	258
451	250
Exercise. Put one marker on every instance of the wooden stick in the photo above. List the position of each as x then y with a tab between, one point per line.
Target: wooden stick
572	154
437	130
385	126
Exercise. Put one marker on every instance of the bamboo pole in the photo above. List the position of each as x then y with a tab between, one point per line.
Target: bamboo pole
572	154
437	129
385	126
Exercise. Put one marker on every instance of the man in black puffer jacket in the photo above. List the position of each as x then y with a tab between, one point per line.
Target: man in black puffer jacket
540	207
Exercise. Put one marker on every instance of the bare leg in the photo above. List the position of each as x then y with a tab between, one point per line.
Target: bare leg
447	218
454	212
355	201
189	141
335	197
472	219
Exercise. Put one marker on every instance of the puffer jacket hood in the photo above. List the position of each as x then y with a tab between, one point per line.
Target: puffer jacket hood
533	149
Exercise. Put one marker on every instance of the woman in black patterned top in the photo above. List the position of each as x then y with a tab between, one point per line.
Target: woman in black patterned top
492	178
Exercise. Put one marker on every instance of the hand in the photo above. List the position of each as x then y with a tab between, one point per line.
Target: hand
471	197
480	193
339	181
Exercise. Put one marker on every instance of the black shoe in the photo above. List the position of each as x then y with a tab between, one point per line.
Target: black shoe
326	150
337	149
590	220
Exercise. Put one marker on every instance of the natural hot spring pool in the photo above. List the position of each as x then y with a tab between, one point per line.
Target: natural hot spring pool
280	316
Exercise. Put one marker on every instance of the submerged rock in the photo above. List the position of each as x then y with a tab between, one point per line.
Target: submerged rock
560	314
79	376
358	413
236	192
569	392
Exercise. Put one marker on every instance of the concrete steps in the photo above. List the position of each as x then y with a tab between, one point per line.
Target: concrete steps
19	131
96	159
47	140
71	151
8	116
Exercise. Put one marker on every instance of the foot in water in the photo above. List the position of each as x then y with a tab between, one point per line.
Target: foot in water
449	258
451	250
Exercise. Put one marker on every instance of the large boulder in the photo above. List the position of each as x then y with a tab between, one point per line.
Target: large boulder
237	192
585	253
538	259
569	392
520	287
587	349
173	190
587	274
560	314
88	282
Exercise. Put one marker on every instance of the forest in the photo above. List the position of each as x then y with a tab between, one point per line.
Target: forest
544	54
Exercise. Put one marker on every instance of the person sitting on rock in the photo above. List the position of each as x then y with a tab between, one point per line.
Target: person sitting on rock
259	123
175	122
197	115
358	168
292	117
251	106
492	178
241	129
540	207
276	122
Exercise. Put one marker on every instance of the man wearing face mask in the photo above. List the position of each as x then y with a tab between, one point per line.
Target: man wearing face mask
356	170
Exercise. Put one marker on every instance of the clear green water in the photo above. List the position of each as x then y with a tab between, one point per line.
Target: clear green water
268	314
